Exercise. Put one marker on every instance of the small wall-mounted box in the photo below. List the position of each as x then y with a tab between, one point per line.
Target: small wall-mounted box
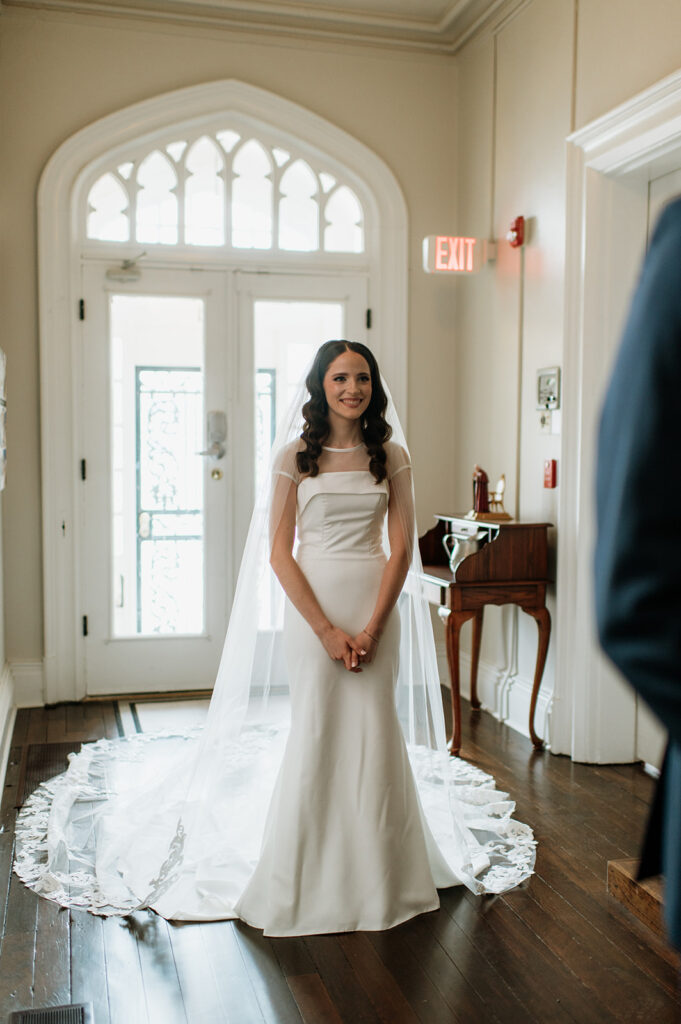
548	388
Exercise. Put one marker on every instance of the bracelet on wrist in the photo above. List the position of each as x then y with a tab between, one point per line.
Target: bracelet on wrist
374	638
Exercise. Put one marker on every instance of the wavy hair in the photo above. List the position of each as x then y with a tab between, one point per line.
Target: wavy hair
375	429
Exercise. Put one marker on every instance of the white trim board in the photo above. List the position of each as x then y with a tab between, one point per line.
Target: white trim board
609	165
59	261
29	681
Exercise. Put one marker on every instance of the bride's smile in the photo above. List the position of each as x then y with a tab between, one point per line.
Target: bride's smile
347	387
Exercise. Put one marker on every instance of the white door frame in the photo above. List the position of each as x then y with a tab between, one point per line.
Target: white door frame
59	196
169	662
610	163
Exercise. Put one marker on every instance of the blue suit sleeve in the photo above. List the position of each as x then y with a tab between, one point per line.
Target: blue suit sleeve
638	486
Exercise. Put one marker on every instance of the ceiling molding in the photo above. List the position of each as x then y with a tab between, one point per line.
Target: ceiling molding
380	23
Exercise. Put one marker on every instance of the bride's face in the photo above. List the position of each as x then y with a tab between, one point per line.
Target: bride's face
347	386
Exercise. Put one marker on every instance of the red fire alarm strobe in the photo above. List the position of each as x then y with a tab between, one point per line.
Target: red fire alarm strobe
550	473
516	233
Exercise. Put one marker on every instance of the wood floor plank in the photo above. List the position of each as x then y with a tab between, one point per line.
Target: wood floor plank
201	991
17	960
52	973
160	981
274	995
6	865
513	957
233	982
8	815
415	984
56	722
88	964
21	723
75	724
293	956
614	979
125	989
379	984
37	726
109	721
340	981
313	1000
642	948
452	981
480	971
16	973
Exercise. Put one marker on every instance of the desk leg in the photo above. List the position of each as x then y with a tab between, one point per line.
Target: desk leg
455	621
475	658
543	619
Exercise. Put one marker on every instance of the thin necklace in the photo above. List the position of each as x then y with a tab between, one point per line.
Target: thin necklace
354	449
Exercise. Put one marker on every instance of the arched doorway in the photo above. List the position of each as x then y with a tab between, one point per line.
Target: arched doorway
185	177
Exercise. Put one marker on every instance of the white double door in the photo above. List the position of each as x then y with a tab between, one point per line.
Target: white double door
183	375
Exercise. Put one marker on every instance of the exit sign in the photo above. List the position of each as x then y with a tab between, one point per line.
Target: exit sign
453	254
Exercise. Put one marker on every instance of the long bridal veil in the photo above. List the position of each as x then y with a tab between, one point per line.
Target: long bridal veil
174	821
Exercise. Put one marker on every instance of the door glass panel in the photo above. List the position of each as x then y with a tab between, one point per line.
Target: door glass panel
286	336
157	346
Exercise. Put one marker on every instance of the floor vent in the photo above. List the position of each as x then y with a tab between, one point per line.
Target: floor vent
77	1013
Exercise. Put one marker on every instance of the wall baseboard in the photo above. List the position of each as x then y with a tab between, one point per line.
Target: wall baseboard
506	697
29	683
8	713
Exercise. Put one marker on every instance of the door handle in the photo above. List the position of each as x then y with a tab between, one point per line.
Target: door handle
216	451
216	431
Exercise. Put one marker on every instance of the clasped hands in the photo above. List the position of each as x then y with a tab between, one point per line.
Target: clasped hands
352	651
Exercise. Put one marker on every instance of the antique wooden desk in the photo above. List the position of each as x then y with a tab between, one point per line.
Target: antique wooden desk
509	568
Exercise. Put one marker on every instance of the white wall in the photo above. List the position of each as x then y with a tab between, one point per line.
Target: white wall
554	67
61	71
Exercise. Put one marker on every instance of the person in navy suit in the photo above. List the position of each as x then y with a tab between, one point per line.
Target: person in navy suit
638	549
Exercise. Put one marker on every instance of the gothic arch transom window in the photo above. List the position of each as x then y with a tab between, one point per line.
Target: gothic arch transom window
229	188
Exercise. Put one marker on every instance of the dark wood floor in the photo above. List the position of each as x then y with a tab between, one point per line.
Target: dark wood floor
558	949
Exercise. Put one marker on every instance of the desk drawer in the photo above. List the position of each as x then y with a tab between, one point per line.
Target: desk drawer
473	596
434	592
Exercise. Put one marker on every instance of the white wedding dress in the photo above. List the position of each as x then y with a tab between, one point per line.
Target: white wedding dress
347	830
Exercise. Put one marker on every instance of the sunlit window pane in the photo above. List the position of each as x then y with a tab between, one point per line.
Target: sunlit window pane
281	156
157	415
204	195
344	231
176	149
107	203
220	191
252	198
298	209
156	202
228	140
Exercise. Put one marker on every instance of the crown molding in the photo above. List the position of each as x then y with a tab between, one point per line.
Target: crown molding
446	34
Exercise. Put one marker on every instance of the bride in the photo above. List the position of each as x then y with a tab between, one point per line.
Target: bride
354	815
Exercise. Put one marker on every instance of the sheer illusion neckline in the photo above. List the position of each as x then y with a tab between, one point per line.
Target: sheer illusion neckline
354	449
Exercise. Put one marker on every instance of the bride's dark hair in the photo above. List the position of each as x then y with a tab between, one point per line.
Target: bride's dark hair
375	430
